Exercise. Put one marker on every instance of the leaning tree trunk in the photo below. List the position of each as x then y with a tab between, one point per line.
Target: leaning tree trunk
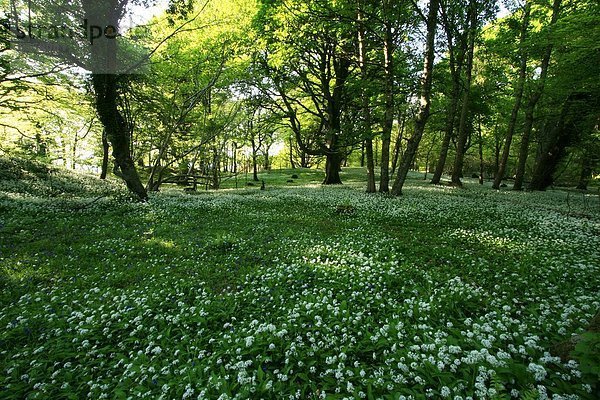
105	155
463	130
424	101
547	161
105	80
518	97
556	140
449	131
398	144
533	100
105	90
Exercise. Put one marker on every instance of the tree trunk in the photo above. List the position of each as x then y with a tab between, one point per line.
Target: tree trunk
481	166
547	160
362	154
105	84
424	101
496	151
254	167
366	108
304	160
456	66
105	90
267	160
216	169
154	184
254	157
332	169
292	164
74	151
234	166
556	140
429	150
518	96
533	100
448	132
105	155
586	173
524	147
398	144
370	166
463	130
388	122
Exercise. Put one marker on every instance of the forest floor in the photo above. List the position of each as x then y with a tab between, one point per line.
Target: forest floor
298	291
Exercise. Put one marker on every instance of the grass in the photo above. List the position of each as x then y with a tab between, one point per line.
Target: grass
443	293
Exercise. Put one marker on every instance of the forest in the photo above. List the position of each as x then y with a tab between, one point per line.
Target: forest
239	199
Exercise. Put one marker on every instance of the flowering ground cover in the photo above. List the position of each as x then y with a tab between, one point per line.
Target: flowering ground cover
443	293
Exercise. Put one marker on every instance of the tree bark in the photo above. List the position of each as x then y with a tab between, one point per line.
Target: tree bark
497	148
463	130
362	154
105	90
448	132
254	161
292	164
481	166
216	169
366	107
456	66
388	121
398	144
105	155
556	140
267	164
333	163
370	166
518	97
524	147
424	101
533	100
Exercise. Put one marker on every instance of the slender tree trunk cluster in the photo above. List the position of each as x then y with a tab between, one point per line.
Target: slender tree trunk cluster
463	127
366	106
518	97
388	122
424	101
532	103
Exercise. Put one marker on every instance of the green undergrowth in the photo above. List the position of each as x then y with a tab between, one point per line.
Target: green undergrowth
249	293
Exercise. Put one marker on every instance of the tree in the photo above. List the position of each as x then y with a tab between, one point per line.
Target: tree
572	88
518	95
534	97
424	101
365	97
463	128
456	33
260	125
307	56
